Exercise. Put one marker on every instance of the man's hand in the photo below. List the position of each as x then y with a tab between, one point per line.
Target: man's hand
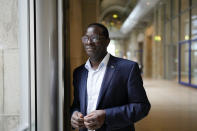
77	120
95	119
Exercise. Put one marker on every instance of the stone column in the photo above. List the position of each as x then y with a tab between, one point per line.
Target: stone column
9	66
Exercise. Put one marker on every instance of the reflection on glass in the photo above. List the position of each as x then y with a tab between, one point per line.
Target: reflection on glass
185	26
194	23
184	63
194	63
184	4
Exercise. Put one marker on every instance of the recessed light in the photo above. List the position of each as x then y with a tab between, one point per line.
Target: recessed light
115	16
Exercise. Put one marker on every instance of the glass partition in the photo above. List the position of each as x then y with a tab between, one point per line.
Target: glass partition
184	62
185	26
194	23
194	63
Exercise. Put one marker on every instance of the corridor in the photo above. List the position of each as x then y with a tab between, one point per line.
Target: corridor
41	45
174	107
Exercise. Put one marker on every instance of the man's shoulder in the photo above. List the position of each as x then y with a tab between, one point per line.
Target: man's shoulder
124	62
79	68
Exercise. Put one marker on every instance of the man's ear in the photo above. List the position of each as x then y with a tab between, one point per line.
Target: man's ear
107	41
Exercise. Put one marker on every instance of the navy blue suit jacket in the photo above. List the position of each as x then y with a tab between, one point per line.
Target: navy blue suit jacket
122	95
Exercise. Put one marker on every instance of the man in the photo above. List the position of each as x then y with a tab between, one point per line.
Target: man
108	91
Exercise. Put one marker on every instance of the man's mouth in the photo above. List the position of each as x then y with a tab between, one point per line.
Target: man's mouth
89	48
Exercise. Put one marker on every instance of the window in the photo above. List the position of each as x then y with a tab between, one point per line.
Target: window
185	26
185	63
194	63
194	23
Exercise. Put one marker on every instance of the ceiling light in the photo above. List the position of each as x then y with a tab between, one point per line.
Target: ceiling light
115	16
157	38
186	37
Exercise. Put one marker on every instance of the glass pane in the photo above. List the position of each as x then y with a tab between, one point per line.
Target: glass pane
185	26
194	23
175	7
174	65
184	4
194	63
185	63
175	34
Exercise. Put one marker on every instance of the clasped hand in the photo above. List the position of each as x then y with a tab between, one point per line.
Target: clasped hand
92	121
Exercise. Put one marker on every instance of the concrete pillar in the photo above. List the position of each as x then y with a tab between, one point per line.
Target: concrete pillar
9	66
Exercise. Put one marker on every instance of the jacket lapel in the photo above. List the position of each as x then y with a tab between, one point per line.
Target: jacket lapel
84	91
107	78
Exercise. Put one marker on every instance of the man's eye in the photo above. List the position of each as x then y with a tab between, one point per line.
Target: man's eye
94	38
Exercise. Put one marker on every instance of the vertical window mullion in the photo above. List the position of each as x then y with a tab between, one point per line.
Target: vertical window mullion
190	19
179	38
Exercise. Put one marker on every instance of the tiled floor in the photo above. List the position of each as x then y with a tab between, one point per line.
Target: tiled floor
174	107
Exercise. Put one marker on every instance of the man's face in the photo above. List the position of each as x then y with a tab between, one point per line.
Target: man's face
95	43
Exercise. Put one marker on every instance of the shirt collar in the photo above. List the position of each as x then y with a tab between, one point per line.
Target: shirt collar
102	64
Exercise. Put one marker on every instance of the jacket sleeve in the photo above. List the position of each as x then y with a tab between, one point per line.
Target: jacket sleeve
76	104
137	107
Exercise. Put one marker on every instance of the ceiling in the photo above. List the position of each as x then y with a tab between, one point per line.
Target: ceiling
120	8
129	14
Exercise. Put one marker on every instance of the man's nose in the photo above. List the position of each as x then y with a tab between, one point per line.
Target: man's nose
89	41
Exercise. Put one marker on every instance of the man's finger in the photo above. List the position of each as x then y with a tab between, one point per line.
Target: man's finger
76	118
77	124
90	119
90	126
79	114
90	115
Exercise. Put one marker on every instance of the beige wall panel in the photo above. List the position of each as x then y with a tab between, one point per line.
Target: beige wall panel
89	12
75	30
76	57
148	52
